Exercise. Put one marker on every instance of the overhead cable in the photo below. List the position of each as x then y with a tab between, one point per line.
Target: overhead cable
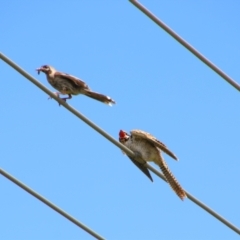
185	44
51	205
111	139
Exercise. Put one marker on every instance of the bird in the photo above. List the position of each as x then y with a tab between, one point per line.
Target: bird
70	85
148	148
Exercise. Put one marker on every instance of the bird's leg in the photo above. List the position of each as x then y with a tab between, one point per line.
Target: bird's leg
65	99
69	97
58	95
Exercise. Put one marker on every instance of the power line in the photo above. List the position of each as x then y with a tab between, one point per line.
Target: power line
48	203
111	139
64	104
202	205
185	44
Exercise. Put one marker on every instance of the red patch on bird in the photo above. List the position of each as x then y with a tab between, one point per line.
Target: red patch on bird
122	134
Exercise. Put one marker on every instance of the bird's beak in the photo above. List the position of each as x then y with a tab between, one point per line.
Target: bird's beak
39	70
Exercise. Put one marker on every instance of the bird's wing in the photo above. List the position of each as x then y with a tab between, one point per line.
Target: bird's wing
72	79
153	140
142	168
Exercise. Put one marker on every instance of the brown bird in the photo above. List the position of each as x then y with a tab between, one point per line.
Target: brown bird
149	148
68	84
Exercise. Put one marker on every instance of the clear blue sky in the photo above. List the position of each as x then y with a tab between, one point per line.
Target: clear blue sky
159	87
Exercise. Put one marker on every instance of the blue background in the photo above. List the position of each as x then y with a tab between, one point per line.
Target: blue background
159	87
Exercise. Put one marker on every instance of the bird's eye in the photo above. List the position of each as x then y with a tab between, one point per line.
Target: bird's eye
45	66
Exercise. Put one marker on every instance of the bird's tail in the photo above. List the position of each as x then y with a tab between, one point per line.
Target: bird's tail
99	97
172	180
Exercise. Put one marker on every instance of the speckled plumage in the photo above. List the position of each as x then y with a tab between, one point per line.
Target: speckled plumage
68	84
149	148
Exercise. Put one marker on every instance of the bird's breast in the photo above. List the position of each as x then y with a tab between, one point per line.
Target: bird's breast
63	86
146	149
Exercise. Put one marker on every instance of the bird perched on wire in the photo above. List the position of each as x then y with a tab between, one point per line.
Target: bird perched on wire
68	84
148	148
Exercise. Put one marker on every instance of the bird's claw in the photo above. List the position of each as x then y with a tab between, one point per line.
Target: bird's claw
58	95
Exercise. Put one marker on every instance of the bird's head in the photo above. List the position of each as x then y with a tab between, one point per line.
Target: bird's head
46	69
123	136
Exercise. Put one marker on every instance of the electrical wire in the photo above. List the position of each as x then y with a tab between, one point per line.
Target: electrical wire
185	44
111	139
48	203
